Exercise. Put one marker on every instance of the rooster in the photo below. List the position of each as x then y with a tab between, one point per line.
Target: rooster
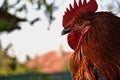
95	39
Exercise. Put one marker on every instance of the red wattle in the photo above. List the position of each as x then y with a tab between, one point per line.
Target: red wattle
73	40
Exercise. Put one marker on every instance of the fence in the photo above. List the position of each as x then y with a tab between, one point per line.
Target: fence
57	76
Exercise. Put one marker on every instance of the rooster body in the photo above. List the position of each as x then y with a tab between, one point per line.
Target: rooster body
95	37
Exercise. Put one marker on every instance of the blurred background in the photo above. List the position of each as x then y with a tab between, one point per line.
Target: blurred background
31	45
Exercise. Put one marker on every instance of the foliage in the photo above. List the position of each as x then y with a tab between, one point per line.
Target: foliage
66	67
9	66
8	21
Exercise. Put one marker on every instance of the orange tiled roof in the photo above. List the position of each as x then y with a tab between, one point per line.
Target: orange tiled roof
50	62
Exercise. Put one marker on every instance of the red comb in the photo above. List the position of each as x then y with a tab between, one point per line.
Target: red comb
70	14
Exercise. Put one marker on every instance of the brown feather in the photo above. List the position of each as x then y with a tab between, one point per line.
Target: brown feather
99	51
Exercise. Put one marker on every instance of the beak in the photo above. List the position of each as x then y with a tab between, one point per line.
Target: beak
65	31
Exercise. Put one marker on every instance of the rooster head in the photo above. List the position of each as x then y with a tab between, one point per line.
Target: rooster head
76	21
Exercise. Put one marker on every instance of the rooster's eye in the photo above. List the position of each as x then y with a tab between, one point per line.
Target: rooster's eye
79	21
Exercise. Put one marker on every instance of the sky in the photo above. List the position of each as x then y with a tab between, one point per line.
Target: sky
36	39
